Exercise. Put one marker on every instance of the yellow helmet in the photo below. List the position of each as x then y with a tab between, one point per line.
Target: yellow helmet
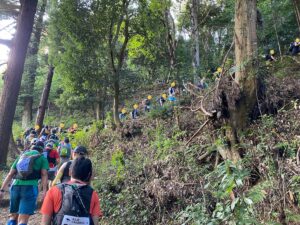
135	106
297	39
272	52
173	84
164	96
219	70
75	125
149	97
123	111
61	125
36	127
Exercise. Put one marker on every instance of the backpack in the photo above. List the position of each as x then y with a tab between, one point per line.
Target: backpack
75	205
64	150
50	159
53	137
25	167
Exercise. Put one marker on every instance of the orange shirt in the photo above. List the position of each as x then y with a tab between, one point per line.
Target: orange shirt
52	203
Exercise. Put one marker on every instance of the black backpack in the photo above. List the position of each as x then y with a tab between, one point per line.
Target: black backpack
75	205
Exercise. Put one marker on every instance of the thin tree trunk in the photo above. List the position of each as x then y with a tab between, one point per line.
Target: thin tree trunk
118	56
171	41
13	76
275	29
31	65
195	38
297	12
44	99
116	101
98	105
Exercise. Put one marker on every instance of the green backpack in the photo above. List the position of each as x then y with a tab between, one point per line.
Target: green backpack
64	151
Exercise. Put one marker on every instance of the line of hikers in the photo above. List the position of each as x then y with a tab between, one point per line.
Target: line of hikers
294	50
68	173
147	103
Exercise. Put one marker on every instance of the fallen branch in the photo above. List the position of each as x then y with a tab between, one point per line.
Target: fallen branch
198	131
204	155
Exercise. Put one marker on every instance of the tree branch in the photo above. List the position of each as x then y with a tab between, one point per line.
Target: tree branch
198	131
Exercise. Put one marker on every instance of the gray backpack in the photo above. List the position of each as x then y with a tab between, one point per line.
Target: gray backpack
25	167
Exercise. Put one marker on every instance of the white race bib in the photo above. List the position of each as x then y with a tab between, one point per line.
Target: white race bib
72	220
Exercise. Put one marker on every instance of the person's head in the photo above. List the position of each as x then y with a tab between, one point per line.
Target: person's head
49	146
53	131
81	169
32	132
297	39
66	140
38	146
80	151
33	141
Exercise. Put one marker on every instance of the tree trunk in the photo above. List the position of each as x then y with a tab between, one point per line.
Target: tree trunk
241	101
118	56
171	41
27	112
44	99
31	65
275	28
246	61
98	105
116	100
195	38
13	76
297	12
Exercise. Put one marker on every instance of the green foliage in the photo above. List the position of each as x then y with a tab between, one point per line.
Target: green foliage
161	112
80	138
117	160
221	183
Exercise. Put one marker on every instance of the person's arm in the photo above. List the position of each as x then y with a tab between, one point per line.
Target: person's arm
44	175
94	218
7	181
59	175
46	220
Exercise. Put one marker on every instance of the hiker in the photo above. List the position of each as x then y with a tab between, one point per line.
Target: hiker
218	73
29	138
162	99
64	150
53	135
74	202
26	171
295	47
61	128
172	93
122	115
135	112
172	89
271	56
63	174
45	132
53	159
147	103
